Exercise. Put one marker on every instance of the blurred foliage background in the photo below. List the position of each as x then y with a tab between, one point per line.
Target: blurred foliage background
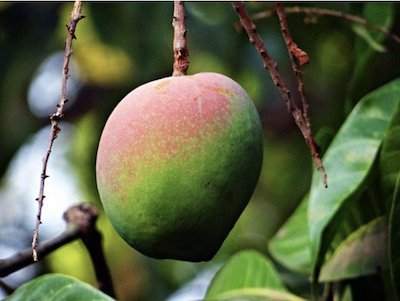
120	46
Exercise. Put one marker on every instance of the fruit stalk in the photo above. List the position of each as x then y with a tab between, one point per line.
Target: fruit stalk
181	53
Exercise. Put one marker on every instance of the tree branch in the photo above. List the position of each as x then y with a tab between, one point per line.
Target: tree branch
85	216
328	12
24	258
271	66
296	52
181	53
55	118
6	288
81	221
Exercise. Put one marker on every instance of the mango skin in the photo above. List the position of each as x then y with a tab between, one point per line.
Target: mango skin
177	163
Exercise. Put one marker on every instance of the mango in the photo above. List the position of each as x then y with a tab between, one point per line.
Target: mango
177	163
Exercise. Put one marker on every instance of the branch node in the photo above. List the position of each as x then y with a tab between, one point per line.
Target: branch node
56	116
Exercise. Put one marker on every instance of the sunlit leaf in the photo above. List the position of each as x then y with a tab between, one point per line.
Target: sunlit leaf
291	245
248	274
348	161
362	253
380	14
56	287
394	240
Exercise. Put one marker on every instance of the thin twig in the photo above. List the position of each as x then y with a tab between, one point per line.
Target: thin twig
328	12
81	223
271	66
292	47
294	51
181	53
55	118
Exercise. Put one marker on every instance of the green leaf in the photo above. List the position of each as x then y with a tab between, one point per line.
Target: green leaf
56	287
348	161
248	274
291	245
394	240
381	14
362	253
390	157
262	294
363	32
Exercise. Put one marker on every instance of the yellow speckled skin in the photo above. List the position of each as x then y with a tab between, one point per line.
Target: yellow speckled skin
177	163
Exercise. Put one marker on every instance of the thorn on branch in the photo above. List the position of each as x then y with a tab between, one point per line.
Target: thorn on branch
56	116
300	55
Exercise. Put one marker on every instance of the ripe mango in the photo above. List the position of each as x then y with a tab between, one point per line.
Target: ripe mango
177	163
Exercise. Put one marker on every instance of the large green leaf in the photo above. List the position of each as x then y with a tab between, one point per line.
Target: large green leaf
348	161
248	274
291	244
361	253
390	157
57	287
381	14
394	240
390	182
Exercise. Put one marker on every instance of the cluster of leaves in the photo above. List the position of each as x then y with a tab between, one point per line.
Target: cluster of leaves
349	231
347	235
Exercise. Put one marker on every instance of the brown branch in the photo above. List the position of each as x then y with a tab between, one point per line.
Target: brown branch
181	53
271	66
55	118
81	220
296	52
24	258
328	12
6	288
86	215
292	47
